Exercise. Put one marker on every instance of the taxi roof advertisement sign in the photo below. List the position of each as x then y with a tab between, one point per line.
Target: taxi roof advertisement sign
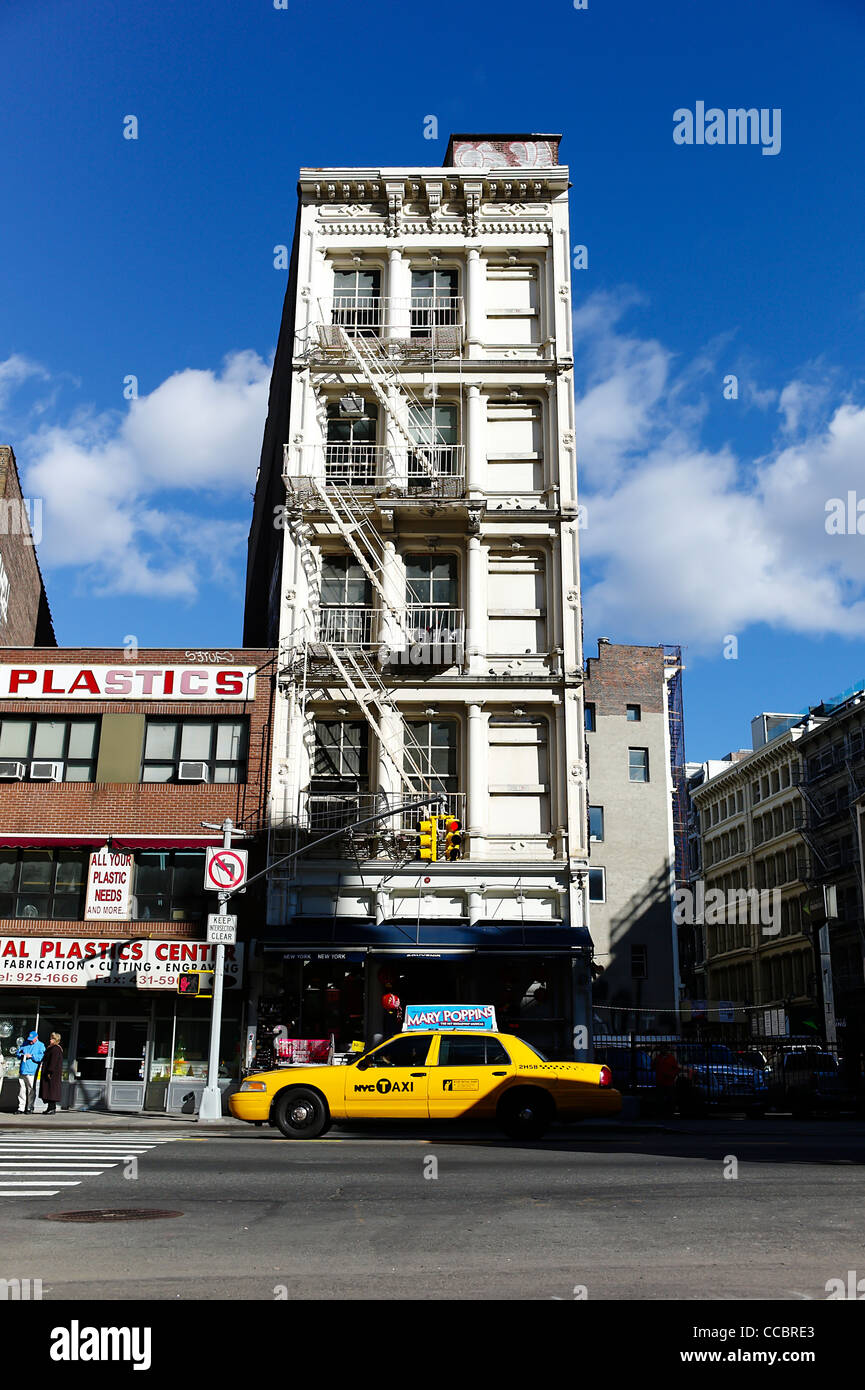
477	1017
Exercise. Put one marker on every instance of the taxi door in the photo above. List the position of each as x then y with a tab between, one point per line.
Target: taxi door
469	1075
391	1082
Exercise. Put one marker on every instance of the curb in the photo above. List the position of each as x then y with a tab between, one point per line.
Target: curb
78	1120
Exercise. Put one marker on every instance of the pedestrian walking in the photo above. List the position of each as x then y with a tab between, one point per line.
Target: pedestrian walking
666	1075
52	1070
29	1057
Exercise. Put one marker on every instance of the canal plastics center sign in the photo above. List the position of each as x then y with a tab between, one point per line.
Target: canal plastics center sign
37	962
131	682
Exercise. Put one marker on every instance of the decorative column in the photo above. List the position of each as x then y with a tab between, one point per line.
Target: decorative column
389	784
392	632
476	463
475	306
398	317
478	781
476	605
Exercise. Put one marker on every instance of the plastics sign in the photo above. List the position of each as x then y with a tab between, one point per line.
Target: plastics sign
440	1017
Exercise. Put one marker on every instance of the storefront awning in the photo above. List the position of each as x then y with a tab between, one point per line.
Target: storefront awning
349	932
27	840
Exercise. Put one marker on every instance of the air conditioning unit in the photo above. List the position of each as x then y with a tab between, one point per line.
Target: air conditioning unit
46	772
352	407
192	772
12	772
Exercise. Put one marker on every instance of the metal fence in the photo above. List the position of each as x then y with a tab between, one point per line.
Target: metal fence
801	1075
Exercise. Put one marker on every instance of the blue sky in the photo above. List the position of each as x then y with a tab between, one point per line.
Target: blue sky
153	258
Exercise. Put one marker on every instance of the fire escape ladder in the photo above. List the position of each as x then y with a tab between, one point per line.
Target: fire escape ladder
374	700
380	371
361	538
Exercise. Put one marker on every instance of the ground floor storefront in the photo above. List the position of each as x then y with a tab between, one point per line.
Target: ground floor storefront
357	993
127	1045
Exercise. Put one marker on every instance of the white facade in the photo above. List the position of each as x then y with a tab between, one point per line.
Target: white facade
429	620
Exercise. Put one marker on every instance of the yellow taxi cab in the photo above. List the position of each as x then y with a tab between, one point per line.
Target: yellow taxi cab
446	1075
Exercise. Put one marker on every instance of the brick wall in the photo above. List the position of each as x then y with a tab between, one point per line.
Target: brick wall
87	808
135	808
28	621
621	676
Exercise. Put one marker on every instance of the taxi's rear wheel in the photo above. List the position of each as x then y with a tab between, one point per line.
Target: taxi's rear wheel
525	1114
301	1113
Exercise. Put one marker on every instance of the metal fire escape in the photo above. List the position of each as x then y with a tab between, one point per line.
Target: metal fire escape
350	497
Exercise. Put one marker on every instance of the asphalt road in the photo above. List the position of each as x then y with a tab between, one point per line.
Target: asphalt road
359	1214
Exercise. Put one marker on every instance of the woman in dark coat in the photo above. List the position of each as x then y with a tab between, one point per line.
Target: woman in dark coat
52	1068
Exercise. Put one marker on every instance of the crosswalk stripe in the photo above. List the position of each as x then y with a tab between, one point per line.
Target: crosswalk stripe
4	1193
55	1182
33	1166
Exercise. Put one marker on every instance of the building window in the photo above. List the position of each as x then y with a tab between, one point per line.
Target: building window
432	595
597	885
633	714
215	750
45	883
434	300
431	754
638	764
169	886
435	429
68	744
345	616
639	963
357	301
340	773
590	719
341	762
596	822
351	454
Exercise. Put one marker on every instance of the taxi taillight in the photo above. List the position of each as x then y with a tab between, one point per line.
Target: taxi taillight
606	1077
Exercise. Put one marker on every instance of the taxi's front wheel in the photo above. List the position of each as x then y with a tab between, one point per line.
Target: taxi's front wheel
525	1114
301	1113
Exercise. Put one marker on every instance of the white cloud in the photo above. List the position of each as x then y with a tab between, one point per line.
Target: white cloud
15	370
685	543
115	486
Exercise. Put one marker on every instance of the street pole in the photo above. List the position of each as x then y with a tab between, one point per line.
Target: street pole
210	1110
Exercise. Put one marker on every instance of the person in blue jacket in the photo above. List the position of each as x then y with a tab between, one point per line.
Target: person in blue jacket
29	1057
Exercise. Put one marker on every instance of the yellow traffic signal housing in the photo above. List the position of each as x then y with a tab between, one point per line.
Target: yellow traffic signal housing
453	839
429	839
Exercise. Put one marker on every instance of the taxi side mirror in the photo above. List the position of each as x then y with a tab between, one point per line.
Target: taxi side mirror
363	1064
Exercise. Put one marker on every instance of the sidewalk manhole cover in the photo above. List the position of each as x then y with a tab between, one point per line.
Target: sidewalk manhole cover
113	1214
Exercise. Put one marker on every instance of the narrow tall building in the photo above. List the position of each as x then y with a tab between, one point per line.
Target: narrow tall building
414	552
637	832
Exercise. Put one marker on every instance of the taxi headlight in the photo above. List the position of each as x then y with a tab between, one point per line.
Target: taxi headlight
253	1086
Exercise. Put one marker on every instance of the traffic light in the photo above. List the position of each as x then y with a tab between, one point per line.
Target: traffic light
189	982
453	839
429	839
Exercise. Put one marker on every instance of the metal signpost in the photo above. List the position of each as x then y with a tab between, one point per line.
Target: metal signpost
224	873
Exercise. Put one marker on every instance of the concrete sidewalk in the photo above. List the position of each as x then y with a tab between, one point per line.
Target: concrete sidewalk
96	1120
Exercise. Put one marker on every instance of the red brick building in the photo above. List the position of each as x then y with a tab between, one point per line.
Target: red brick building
109	763
25	619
